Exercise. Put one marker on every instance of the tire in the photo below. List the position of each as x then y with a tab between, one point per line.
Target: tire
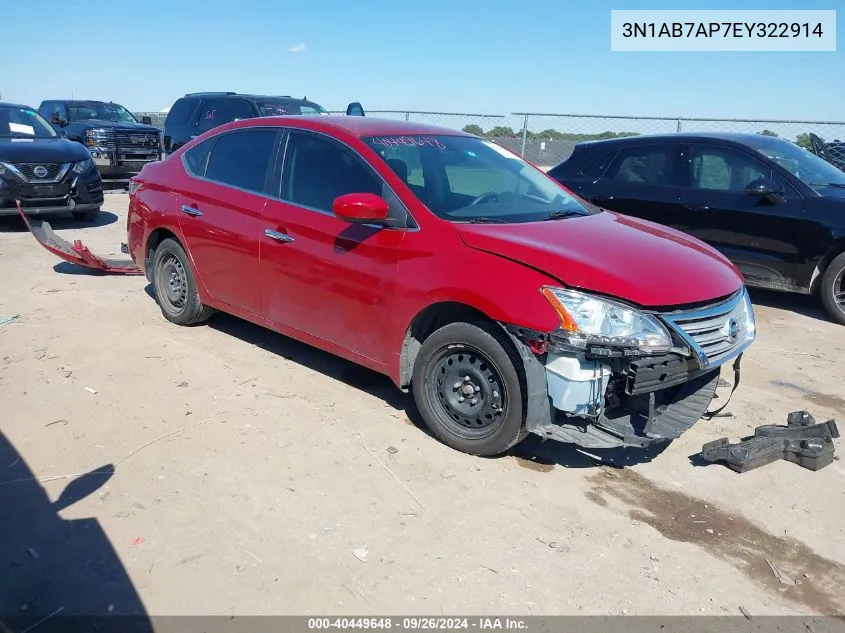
832	286
85	216
492	419
175	287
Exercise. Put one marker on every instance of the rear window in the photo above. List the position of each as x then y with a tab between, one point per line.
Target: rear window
180	111
284	107
596	167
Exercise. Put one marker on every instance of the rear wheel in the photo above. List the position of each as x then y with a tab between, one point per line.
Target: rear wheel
175	288
832	289
468	389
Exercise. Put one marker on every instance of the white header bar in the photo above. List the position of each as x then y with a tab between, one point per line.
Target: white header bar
686	30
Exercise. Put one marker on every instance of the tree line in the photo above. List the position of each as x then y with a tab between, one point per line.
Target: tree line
501	131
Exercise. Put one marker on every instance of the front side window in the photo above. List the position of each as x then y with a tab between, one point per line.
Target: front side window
97	110
23	123
317	171
240	159
468	179
806	166
219	111
649	165
723	169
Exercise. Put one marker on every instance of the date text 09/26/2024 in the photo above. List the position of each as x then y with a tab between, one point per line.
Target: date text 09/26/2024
418	624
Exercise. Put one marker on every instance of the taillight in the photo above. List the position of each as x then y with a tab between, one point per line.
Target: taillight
134	185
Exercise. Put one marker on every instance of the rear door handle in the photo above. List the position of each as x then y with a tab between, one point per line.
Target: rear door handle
697	207
279	237
191	210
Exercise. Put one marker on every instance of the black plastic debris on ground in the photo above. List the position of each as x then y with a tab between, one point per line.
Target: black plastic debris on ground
801	441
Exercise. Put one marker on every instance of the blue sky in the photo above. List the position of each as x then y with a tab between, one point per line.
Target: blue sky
447	55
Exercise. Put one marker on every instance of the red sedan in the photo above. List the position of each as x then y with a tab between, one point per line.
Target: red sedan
503	302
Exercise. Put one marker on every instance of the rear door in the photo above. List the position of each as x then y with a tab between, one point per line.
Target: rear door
220	211
320	275
762	237
641	181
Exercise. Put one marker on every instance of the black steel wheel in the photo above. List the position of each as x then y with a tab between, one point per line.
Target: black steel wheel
175	289
832	289
468	388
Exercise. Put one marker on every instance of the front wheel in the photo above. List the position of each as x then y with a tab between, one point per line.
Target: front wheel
832	289
468	389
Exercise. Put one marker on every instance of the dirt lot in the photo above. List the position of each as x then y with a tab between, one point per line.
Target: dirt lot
282	461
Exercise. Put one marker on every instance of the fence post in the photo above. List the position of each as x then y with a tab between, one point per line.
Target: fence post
679	124
524	134
407	116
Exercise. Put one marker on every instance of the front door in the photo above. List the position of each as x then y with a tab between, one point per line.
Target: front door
761	236
319	275
220	212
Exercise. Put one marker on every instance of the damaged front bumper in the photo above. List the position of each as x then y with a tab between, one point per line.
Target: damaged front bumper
598	398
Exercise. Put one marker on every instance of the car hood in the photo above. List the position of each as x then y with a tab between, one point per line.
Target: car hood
616	255
46	150
116	125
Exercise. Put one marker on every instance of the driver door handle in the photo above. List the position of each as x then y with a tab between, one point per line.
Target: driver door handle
191	210
279	237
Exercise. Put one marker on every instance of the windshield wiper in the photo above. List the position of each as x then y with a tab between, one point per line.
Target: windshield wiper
483	220
838	185
556	215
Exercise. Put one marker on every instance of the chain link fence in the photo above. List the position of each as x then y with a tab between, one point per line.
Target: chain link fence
548	139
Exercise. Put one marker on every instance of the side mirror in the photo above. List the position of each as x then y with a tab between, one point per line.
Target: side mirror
147	120
355	109
764	188
361	208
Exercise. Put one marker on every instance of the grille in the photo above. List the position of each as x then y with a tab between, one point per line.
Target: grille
131	138
50	171
716	332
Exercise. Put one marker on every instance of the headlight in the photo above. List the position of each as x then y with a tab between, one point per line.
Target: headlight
95	137
588	320
83	165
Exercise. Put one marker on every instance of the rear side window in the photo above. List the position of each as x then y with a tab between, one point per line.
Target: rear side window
650	164
596	167
195	159
180	111
241	159
219	111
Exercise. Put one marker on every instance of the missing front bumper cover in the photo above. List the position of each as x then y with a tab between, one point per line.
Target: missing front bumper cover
801	441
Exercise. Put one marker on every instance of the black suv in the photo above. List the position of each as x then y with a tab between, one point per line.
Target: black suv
119	144
776	210
198	112
46	172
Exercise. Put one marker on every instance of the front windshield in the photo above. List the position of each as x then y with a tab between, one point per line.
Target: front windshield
806	166
467	179
88	110
23	123
284	107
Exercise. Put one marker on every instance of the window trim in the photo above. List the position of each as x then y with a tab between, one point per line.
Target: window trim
268	174
674	161
793	193
410	224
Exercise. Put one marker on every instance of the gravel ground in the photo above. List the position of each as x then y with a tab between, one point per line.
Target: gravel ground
246	473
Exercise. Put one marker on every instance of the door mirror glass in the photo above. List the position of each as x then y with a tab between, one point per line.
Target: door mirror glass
355	109
361	208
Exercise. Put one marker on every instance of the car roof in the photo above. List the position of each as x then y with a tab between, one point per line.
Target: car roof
240	95
743	138
356	125
8	104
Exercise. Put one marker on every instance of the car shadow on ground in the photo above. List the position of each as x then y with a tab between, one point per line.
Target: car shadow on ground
55	573
806	305
15	224
533	452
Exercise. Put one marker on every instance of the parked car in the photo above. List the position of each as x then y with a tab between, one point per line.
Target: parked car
119	144
451	265
775	210
47	173
198	112
833	152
